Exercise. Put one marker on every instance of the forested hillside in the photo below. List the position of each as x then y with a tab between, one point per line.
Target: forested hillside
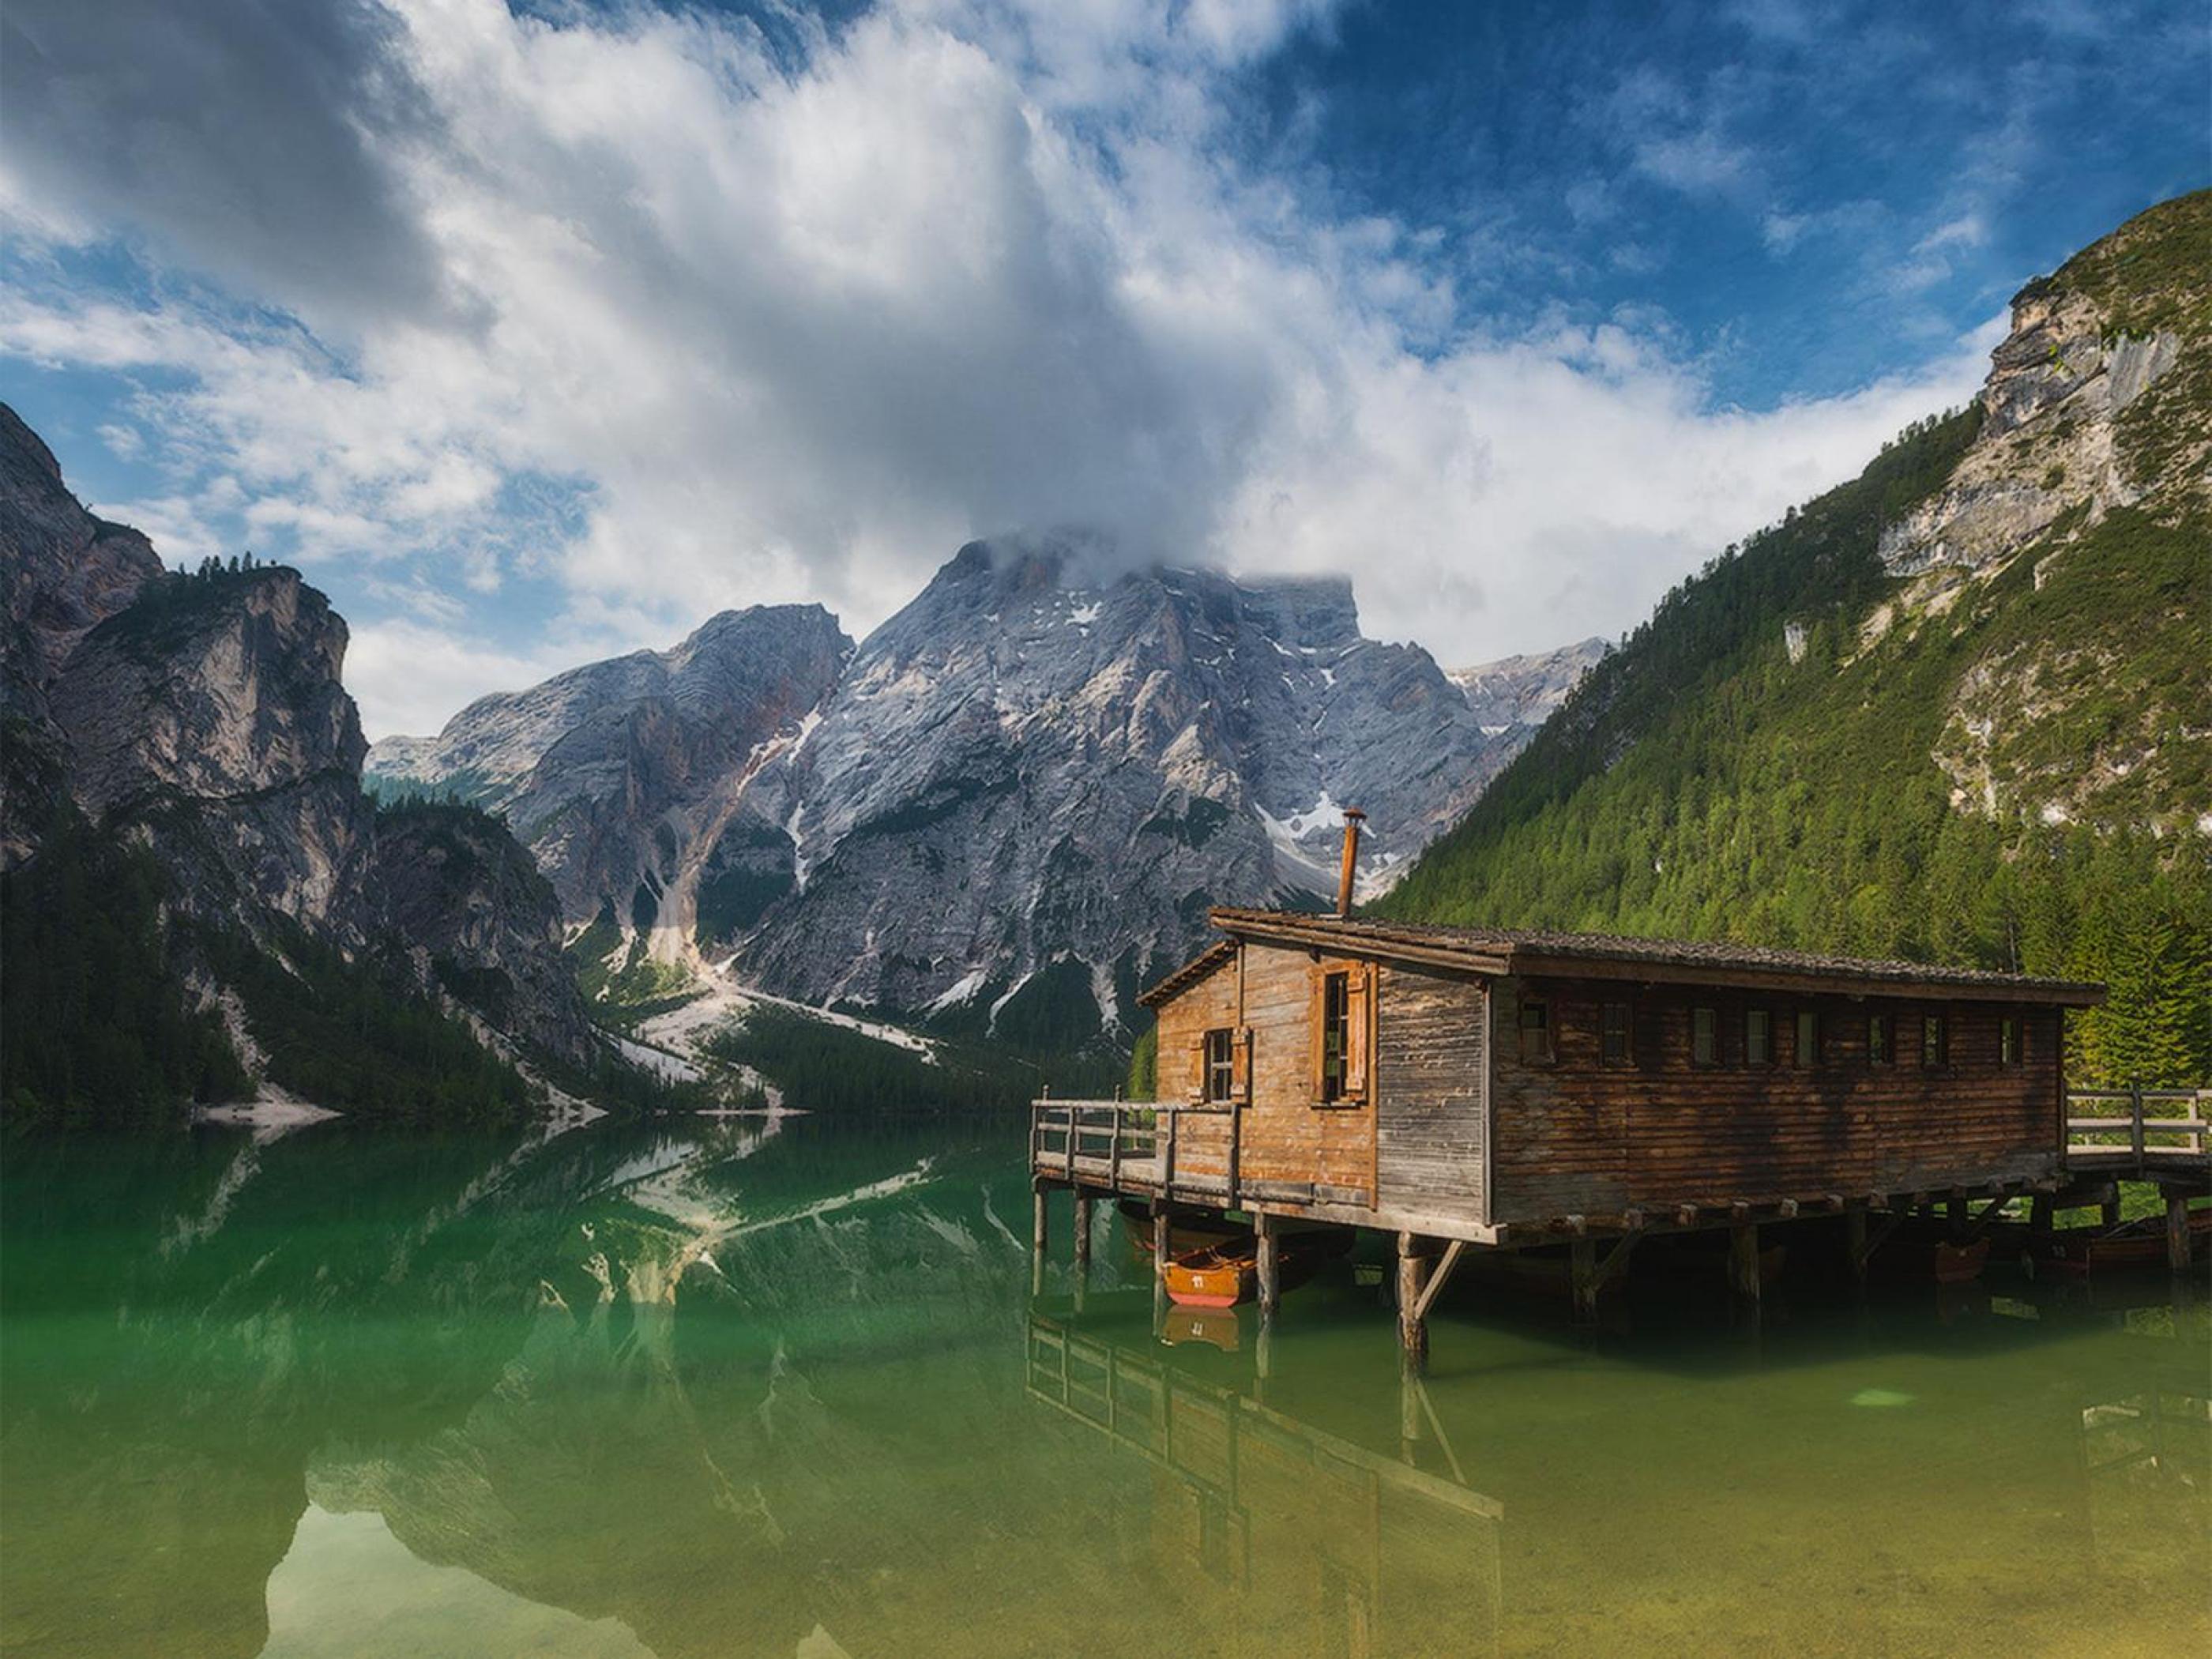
1957	709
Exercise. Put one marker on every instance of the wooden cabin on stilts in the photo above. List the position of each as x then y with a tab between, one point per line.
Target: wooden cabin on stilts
1475	1091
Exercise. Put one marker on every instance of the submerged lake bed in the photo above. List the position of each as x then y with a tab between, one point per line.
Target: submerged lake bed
781	1386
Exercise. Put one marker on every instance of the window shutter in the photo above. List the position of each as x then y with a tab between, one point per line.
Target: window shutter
1240	1087
1197	1068
1316	1019
1359	1020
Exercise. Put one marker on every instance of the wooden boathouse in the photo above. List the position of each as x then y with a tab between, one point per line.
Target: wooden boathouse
1475	1089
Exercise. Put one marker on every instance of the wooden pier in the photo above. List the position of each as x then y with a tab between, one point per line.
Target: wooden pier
1466	1093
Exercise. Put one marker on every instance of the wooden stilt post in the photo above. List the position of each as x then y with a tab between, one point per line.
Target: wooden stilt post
1743	1262
2109	1209
2177	1232
1954	1210
1267	1235
2041	1211
1583	1253
1037	1236
1412	1322
1083	1224
1855	1243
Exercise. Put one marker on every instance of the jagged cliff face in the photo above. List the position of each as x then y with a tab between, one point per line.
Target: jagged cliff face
66	571
209	716
1017	798
640	783
205	718
1031	784
468	906
2095	455
1519	694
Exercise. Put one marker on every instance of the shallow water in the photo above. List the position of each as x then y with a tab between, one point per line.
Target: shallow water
714	1390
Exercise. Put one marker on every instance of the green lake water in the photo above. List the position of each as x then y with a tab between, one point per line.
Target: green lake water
724	1390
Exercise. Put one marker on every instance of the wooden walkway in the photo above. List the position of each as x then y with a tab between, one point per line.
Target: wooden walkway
2141	1134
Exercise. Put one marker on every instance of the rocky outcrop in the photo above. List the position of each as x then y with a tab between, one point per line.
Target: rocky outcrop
210	716
638	783
469	905
205	718
2056	442
1017	798
66	571
1031	782
1518	694
2095	445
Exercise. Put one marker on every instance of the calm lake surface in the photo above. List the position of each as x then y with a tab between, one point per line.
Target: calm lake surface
724	1388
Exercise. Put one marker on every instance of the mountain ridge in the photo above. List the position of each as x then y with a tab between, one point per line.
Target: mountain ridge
1956	710
1168	735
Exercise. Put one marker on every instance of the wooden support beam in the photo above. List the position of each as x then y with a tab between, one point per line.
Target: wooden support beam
1039	1236
1442	1273
1743	1261
2177	1232
1855	1242
1160	1233
1266	1231
1083	1229
2041	1215
1413	1328
1583	1257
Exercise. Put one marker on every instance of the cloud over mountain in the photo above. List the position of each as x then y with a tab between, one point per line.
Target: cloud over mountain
539	336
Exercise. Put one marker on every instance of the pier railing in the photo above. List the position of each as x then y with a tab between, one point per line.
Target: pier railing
2137	1127
1115	1140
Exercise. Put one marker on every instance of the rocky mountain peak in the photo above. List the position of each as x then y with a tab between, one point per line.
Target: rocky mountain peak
66	570
1523	691
2094	401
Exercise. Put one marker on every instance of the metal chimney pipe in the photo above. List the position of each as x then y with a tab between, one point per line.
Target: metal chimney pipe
1353	817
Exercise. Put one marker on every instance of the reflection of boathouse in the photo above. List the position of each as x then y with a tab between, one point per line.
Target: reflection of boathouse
1302	1541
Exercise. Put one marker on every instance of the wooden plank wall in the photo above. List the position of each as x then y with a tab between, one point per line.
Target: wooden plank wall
1202	1138
1289	1142
1580	1136
1431	1126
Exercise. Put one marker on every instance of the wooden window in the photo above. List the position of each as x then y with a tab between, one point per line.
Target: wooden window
1535	1032
1934	1041
1882	1040
1757	1036
2008	1045
1343	1034
1705	1036
1220	1064
1617	1034
1808	1049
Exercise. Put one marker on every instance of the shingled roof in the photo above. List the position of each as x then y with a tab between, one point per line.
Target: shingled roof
1606	956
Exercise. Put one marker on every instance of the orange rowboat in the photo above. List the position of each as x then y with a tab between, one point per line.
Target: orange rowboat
1224	1275
1217	1276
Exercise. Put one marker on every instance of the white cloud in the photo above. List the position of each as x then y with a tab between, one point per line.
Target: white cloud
411	676
683	325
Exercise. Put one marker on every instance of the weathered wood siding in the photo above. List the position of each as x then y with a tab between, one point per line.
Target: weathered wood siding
1215	1001
1580	1136
1431	1123
1291	1148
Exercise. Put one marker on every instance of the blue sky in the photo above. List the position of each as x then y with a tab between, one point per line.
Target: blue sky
533	335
